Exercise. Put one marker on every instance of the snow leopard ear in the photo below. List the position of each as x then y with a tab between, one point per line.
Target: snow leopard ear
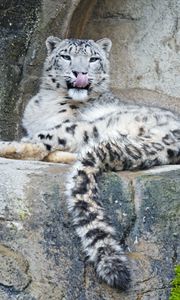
51	43
105	44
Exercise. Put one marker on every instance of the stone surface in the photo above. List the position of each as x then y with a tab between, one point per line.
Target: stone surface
40	255
17	22
13	273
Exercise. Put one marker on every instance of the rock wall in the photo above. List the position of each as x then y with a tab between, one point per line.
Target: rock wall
17	22
145	56
40	255
146	47
24	27
146	35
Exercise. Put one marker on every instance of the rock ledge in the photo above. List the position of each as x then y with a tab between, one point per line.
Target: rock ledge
40	254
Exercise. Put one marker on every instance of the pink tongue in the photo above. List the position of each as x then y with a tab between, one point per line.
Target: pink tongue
81	80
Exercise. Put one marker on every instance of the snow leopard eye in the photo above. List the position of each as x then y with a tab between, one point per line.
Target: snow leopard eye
93	59
66	57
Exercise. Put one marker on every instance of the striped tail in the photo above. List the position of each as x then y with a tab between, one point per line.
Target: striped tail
92	225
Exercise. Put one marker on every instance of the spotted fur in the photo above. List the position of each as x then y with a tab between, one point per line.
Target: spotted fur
75	112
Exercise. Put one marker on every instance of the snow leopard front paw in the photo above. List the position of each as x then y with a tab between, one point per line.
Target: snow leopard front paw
23	150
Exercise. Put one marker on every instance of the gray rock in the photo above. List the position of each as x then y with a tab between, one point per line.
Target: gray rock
13	273
17	21
37	238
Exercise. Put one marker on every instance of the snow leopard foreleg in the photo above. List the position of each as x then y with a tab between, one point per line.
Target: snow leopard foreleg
58	144
23	150
69	136
34	151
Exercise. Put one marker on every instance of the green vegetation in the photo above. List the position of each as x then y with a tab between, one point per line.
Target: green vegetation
175	292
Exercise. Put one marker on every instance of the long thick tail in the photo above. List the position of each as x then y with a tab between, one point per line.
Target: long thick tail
92	225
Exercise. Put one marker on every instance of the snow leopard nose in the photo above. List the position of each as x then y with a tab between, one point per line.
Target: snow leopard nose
77	73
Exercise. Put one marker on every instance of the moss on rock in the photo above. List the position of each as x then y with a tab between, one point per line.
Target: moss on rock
175	292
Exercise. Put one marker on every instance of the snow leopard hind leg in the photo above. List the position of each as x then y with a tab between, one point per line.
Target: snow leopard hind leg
97	235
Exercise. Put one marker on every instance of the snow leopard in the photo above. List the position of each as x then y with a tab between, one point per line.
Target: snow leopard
74	118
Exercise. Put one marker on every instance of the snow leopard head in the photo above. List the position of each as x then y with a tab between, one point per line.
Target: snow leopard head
79	67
